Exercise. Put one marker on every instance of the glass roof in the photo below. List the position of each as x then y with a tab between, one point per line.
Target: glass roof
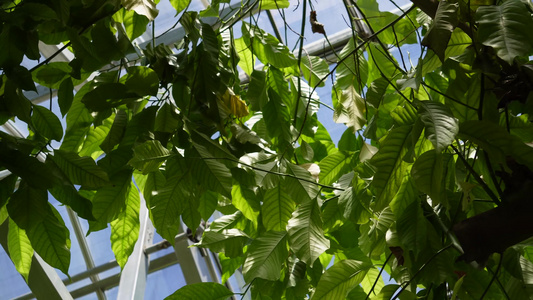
168	275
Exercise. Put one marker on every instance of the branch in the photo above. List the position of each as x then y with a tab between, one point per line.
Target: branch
379	275
420	270
357	48
477	177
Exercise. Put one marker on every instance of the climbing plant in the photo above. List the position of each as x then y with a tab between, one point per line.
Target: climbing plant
427	193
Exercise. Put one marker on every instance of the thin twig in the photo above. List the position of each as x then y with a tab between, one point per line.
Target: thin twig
493	277
379	275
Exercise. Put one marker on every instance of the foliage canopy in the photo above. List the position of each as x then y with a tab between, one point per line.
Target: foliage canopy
431	177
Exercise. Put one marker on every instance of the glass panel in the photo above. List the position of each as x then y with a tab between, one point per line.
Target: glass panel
11	283
164	282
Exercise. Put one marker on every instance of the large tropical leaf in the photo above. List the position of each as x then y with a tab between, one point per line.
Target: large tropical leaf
390	166
110	201
506	28
443	25
497	142
306	235
47	123
265	256
273	4
245	201
203	290
20	249
441	126
166	202
147	157
28	206
314	69
277	209
428	175
125	229
142	7
229	241
81	170
211	172
412	228
334	166
350	108
338	280
300	190
51	240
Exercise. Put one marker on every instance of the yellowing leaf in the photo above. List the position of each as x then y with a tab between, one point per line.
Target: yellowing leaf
234	104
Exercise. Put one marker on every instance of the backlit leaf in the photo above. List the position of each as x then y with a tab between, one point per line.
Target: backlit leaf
277	209
338	280
81	170
203	290
506	28
306	235
20	249
142	7
265	256
47	123
441	126
125	229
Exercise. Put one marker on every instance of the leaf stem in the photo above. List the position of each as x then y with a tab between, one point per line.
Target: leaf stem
379	275
493	277
477	177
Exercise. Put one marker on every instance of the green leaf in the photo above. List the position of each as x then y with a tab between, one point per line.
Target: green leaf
95	137
180	5
208	204
52	74
267	48
354	204
440	32
148	156
65	96
353	71
20	249
350	108
141	80
50	239
142	7
412	228
81	170
497	142
306	236
314	69
46	123
28	206
277	118
273	4
506	28
167	196
125	229
229	241
265	257
109	95
277	209
457	45
26	167
441	126
300	190
203	290
116	132
390	166
7	186
247	59
213	174
21	77
338	280
334	166
245	201
110	201
428	175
